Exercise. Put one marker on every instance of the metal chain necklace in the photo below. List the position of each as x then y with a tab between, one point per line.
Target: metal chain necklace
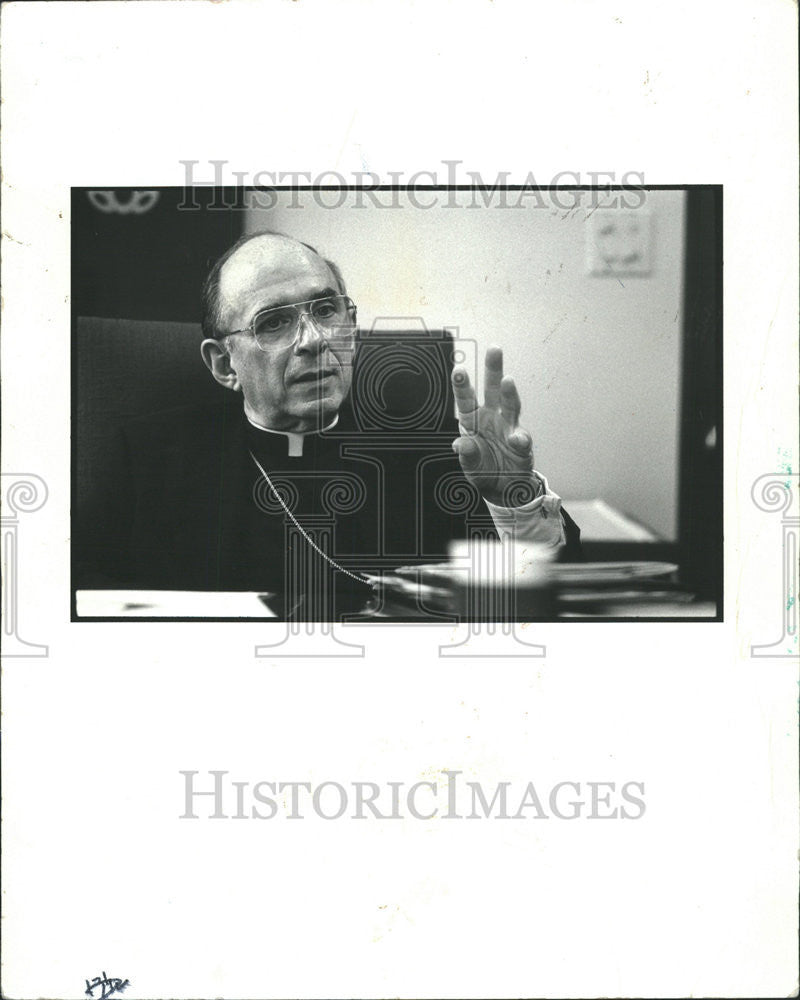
358	577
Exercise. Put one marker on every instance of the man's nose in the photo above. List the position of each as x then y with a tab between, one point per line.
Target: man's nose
310	338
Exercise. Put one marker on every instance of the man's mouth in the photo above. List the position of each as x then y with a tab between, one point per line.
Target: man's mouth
316	376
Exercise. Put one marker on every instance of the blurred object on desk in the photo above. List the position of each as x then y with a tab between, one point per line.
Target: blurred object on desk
487	580
613	574
504	581
479	586
656	605
639	589
400	598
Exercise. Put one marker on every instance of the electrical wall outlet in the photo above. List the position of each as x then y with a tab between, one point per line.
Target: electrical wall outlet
618	242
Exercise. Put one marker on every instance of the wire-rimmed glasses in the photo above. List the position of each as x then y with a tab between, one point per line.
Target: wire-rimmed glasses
278	326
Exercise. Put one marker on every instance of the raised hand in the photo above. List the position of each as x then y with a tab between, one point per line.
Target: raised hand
495	453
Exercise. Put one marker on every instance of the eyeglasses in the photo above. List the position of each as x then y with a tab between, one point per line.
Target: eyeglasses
334	315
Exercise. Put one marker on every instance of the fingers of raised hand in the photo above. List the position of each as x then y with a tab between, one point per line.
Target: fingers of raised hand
466	402
492	377
510	404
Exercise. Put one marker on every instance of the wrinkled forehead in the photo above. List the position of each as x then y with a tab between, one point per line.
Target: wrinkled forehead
271	270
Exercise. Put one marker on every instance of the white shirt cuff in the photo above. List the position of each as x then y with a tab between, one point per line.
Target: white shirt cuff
539	521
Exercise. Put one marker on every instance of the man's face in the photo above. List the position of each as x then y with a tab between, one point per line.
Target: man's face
291	386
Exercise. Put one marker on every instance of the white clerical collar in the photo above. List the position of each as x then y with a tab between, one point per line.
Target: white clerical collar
295	439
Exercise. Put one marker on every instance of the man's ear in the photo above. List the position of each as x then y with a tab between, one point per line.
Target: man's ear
218	362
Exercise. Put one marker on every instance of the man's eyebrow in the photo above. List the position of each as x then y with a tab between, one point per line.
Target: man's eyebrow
325	293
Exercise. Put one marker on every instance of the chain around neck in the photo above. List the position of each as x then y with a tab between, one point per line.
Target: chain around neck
358	577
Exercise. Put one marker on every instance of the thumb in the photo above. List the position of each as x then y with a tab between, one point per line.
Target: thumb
469	454
520	441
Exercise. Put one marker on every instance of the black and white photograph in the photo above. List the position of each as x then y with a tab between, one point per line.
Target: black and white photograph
423	404
400	499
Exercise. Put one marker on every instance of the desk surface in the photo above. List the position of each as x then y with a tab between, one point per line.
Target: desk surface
201	605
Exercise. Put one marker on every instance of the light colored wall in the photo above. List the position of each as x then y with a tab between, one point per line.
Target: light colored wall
596	359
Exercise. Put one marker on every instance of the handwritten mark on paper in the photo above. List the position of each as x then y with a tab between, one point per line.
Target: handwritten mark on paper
106	985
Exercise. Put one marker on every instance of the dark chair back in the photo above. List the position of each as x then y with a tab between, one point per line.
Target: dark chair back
125	369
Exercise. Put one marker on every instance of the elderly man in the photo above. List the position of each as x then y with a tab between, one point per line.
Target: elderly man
203	498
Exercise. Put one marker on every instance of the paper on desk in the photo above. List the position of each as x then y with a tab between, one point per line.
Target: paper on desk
170	604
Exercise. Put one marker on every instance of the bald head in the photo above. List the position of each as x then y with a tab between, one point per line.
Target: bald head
250	268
